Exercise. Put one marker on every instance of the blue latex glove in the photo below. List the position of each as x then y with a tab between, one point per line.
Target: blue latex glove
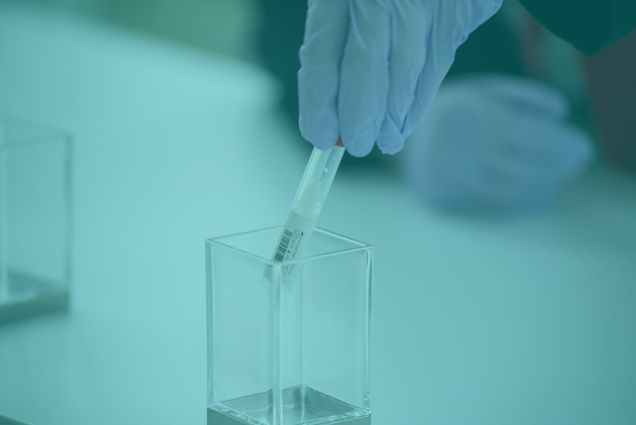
369	68
495	144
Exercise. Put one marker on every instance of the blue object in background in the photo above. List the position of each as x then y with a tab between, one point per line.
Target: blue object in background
495	144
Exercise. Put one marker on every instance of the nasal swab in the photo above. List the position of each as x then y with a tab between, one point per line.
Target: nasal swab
308	202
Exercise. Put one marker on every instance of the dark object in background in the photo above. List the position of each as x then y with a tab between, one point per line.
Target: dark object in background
590	25
281	36
612	84
492	48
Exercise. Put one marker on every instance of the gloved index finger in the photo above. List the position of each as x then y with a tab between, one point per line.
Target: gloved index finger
318	79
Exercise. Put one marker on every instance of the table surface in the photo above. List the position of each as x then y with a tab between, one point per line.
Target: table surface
475	321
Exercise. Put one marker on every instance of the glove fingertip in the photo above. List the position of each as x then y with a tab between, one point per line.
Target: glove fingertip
359	141
321	140
359	147
390	140
319	128
359	150
393	148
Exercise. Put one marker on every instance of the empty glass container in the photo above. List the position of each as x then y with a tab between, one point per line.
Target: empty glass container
35	219
288	342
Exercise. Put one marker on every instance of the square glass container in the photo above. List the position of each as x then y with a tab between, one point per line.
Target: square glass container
35	219
288	342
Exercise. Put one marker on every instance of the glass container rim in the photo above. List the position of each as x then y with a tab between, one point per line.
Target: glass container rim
358	247
49	133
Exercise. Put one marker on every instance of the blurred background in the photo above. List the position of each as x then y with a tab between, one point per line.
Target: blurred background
220	26
504	233
599	89
269	34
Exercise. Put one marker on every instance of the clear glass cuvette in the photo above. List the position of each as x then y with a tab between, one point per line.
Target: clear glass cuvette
288	342
35	219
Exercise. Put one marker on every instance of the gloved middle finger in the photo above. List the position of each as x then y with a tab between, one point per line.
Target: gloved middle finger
364	78
409	38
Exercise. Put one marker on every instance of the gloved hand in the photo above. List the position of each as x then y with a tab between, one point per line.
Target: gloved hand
369	68
495	144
